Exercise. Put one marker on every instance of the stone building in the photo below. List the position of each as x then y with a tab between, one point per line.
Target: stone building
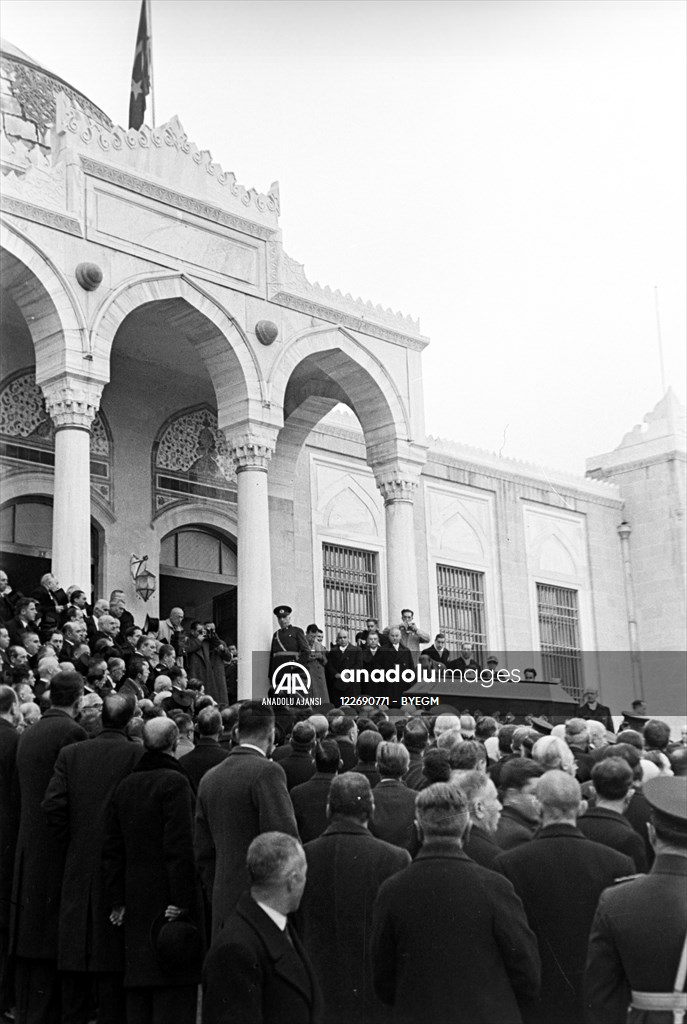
173	386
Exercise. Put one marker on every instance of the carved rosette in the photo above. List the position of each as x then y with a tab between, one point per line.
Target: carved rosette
252	450
397	488
72	403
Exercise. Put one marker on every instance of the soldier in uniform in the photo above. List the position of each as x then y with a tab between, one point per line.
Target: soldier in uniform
288	642
638	942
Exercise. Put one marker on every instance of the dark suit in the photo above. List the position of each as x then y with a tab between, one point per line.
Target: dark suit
373	661
39	866
348	754
310	805
636	941
612	829
638	813
299	766
238	800
148	865
514	829
337	662
598	714
401	659
204	756
481	847
255	974
48	602
394	816
9	823
461	930
75	806
559	877
414	776
346	866
16	626
369	771
8	602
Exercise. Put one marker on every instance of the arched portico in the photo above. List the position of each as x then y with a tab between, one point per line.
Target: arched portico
316	371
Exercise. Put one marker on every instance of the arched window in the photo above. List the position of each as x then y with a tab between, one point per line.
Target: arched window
191	460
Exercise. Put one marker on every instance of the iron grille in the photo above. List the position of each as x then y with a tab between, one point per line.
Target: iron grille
350	589
559	637
461	607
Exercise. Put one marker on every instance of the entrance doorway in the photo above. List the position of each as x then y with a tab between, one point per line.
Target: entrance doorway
26	544
198	574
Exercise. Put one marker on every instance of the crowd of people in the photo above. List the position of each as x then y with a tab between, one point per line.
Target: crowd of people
168	853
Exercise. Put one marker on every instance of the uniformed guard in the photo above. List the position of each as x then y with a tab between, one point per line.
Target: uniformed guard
638	946
288	642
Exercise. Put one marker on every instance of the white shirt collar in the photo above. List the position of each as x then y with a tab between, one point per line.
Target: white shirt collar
279	919
253	747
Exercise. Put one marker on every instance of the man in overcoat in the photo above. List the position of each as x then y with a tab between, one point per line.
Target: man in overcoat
239	799
150	874
310	798
346	866
75	806
10	716
640	924
456	925
39	860
559	877
257	970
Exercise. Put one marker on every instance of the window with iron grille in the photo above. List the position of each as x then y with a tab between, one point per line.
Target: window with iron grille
461	607
350	589
559	636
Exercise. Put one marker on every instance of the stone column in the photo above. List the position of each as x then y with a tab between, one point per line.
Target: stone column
72	405
251	453
398	490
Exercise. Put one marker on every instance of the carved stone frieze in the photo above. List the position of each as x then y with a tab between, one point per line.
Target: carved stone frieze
72	402
28	211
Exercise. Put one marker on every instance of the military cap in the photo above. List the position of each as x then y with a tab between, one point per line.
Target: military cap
667	796
492	660
632	721
281	610
542	726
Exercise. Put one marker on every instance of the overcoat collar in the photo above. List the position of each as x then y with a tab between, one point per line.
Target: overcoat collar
290	961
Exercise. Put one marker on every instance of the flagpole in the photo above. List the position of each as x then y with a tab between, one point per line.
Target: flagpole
149	20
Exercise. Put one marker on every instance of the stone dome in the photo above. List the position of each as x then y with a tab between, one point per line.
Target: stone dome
27	98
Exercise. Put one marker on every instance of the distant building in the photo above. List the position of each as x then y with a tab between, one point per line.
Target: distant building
169	387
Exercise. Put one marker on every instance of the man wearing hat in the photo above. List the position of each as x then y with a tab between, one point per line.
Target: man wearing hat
288	642
637	943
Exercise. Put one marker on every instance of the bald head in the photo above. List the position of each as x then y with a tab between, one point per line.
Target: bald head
559	795
161	735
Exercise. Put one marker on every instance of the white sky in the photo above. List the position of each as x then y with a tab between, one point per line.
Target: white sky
510	171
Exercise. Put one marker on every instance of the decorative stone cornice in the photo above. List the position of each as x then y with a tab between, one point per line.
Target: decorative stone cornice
71	402
252	450
165	154
290	287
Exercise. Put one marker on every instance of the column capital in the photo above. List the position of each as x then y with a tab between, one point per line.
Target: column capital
72	402
253	449
397	481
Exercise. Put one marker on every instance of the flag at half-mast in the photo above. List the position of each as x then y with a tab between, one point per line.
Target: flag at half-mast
140	76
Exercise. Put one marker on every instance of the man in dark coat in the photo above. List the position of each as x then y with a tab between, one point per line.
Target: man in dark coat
605	822
310	798
415	739
298	764
394	814
39	861
75	806
366	750
591	710
518	781
207	752
346	866
640	924
343	656
240	798
484	808
205	658
257	970
150	875
10	716
454	924
26	617
288	642
344	730
559	877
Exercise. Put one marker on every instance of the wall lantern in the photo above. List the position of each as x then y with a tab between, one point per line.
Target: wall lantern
144	580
